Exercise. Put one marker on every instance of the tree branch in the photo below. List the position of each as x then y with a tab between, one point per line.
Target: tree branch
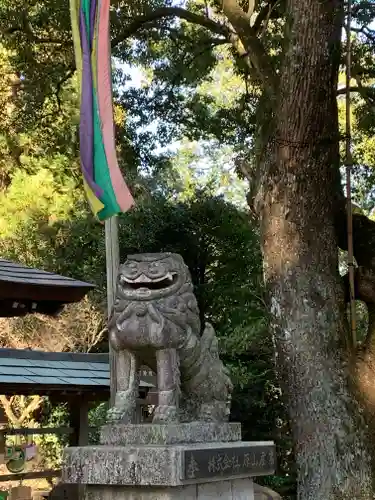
206	7
360	89
252	47
60	84
139	22
33	38
363	6
26	28
251	8
29	410
240	21
364	31
264	14
7	405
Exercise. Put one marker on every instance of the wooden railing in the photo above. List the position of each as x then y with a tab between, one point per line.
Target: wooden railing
25	431
25	476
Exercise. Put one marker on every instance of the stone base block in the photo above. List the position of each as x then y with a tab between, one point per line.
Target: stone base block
167	465
237	489
194	432
264	493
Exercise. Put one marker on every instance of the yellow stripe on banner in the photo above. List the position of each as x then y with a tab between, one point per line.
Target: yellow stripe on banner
74	14
95	204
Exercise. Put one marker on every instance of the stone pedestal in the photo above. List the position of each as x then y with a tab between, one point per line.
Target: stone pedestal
237	489
196	461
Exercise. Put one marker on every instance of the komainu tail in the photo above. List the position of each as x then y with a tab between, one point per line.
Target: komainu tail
217	370
205	380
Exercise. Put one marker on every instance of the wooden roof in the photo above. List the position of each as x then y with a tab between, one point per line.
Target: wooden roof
38	372
24	290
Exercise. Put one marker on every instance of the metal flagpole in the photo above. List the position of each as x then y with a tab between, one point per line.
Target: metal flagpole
112	265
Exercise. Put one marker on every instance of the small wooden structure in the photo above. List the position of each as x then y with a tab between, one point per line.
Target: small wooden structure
78	379
24	290
75	378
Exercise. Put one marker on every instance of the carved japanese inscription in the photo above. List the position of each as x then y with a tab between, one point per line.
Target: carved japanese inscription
228	462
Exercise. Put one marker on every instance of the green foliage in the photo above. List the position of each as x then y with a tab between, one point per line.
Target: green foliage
51	446
205	164
217	243
196	88
34	198
29	209
97	418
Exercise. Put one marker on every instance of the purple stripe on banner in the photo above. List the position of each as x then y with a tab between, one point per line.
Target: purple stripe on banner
93	6
86	130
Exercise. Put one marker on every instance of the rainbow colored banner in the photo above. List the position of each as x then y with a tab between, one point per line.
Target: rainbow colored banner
104	184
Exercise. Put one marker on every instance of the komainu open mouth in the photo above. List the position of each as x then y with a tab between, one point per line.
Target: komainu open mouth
144	281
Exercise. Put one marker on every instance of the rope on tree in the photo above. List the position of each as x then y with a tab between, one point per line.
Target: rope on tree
349	164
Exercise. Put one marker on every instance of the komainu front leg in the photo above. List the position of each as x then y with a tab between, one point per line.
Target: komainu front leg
168	375
124	410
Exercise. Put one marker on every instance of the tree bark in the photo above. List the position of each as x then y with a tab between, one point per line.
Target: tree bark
299	190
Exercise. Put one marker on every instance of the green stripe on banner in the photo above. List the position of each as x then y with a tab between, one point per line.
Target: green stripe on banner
85	6
101	170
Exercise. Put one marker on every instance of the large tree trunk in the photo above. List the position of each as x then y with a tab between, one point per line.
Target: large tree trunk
296	205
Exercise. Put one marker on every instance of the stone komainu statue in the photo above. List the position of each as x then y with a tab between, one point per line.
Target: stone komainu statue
155	322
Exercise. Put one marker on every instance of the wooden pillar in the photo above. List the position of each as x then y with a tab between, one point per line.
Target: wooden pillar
79	421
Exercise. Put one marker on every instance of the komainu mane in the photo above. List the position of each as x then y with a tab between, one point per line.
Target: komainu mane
155	322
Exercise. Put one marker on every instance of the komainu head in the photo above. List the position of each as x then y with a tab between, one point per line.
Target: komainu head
151	276
155	305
